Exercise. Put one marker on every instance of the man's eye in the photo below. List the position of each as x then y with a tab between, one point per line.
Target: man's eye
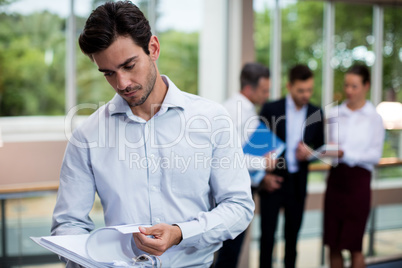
107	73
129	67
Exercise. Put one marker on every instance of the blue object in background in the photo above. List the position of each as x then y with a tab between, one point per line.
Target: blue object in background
261	142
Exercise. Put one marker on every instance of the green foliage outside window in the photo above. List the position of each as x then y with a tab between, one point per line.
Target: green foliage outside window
32	54
32	60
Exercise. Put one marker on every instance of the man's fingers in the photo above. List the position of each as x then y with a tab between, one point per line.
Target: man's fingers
148	244
279	179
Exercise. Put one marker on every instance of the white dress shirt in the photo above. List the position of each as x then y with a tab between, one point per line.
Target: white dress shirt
177	168
359	133
294	132
245	118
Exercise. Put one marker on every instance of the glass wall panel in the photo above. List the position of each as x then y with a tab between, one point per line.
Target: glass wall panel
302	39
32	57
178	26
302	34
262	30
392	54
353	41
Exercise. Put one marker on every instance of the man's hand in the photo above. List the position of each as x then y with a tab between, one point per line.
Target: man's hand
303	152
333	154
270	161
164	237
271	183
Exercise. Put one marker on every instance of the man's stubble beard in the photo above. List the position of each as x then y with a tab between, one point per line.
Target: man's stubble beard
149	86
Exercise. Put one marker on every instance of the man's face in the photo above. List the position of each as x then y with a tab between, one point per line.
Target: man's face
354	88
260	94
127	68
301	91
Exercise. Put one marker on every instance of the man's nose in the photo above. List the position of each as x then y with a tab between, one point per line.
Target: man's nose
122	81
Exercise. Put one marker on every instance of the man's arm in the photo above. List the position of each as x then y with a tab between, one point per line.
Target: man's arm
76	193
230	190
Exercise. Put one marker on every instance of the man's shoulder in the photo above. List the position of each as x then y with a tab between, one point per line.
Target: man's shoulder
273	106
202	105
313	107
275	103
97	118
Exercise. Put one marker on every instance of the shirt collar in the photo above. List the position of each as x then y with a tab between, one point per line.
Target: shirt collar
367	109
290	104
245	101
174	99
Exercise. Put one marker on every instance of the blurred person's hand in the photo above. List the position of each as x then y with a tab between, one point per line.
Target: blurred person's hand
332	150
270	160
271	183
303	152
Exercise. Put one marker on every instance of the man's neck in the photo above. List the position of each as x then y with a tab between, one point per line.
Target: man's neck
356	105
245	95
154	101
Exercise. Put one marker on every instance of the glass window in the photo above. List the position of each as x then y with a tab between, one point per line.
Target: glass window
302	39
392	54
353	41
262	30
302	34
32	57
178	26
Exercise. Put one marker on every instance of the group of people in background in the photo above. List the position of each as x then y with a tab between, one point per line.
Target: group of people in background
354	126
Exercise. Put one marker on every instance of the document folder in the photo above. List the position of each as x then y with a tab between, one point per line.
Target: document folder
261	142
104	247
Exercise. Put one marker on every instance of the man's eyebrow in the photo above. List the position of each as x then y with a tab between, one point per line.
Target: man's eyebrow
120	65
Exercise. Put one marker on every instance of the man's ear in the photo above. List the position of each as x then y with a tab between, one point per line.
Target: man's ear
367	86
288	86
154	48
246	90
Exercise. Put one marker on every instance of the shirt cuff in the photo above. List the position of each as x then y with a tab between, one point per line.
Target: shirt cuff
190	233
349	159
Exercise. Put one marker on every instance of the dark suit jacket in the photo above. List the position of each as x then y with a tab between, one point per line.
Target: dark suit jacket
274	113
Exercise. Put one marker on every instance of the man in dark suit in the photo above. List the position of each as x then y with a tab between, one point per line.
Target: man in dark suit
301	126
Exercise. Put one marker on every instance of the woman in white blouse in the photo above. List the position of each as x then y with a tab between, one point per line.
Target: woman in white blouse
358	130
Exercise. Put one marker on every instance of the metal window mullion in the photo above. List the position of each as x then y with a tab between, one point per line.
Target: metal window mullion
70	73
328	72
276	39
378	32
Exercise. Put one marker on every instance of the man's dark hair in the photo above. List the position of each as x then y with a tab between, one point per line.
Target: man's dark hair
300	72
111	20
251	74
360	70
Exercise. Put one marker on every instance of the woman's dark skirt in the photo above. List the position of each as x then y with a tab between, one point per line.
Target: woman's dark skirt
347	207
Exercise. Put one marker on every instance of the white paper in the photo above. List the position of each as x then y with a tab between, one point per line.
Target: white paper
330	150
104	247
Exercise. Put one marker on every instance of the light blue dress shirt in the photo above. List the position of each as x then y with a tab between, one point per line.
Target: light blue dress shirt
176	168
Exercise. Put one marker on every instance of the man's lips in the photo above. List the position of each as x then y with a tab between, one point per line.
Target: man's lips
131	93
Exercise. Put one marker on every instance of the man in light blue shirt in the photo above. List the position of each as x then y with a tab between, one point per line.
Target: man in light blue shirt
154	154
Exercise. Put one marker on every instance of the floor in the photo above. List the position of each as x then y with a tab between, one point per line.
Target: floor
32	217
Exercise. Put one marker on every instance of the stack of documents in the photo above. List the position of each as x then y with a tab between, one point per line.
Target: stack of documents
105	247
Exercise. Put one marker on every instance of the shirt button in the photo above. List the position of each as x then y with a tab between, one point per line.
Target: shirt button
153	188
157	220
152	156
